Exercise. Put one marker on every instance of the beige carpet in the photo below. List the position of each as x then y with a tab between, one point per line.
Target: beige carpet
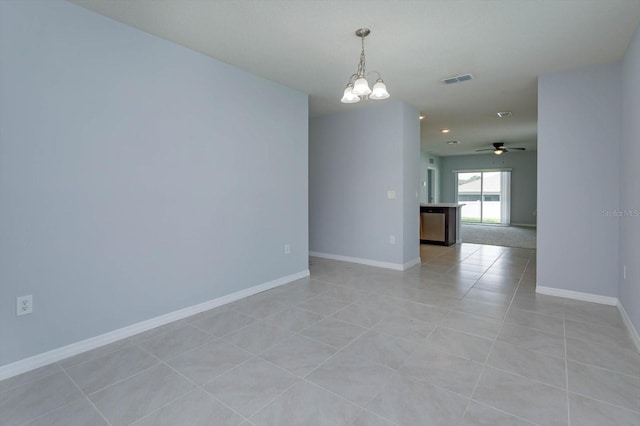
509	236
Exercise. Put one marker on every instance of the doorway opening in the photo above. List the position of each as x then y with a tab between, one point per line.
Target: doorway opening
431	185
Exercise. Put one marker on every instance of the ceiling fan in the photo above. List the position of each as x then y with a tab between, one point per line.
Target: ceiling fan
499	148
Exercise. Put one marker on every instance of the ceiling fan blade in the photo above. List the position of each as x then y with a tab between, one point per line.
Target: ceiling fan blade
487	149
518	149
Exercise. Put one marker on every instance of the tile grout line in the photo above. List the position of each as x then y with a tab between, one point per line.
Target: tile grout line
298	379
528	264
528	378
309	382
304	378
366	330
137	373
566	366
216	337
97	357
87	397
475	387
470	398
30	382
254	356
607	403
505	412
159	361
328	359
248	419
483	274
197	386
597	367
510	307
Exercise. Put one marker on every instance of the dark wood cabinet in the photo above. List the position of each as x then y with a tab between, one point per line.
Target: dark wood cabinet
438	225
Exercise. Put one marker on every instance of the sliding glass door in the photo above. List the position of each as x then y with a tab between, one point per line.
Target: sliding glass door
486	195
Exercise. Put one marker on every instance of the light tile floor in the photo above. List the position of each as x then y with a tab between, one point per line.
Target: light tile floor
462	339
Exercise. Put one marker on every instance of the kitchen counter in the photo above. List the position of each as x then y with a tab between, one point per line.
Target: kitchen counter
440	223
442	205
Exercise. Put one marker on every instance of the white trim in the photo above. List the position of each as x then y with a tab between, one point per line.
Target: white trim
505	194
577	295
505	198
411	263
595	298
435	183
633	333
46	358
369	262
505	169
528	225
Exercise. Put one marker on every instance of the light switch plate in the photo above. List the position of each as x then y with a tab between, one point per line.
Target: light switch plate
391	194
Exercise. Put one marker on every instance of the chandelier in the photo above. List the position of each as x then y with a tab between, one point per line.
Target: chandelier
358	87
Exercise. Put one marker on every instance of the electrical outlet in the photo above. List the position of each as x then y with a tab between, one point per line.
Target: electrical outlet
287	248
392	239
391	194
24	305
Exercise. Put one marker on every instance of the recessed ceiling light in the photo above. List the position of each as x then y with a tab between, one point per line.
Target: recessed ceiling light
504	114
422	116
445	130
453	142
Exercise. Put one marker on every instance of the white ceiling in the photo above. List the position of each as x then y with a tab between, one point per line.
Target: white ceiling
310	46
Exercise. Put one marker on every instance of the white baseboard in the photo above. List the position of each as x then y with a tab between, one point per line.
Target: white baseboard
46	358
577	295
630	327
595	298
369	262
411	263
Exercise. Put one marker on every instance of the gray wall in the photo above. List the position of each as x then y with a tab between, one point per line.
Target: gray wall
410	185
355	157
579	131
629	192
136	177
523	179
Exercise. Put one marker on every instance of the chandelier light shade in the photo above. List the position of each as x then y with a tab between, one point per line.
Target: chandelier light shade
379	90
349	97
358	87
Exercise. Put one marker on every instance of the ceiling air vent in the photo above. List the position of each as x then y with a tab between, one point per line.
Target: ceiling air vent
457	79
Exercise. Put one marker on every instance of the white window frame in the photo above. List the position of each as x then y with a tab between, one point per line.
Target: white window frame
505	198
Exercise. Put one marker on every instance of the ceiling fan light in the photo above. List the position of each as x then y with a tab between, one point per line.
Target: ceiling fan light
498	151
361	87
379	90
349	97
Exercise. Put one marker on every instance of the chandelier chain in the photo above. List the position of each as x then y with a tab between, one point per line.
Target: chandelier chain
362	64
